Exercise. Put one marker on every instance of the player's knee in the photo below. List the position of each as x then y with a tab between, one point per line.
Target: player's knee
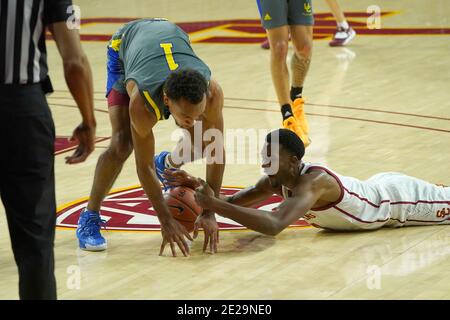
121	146
123	150
280	50
304	49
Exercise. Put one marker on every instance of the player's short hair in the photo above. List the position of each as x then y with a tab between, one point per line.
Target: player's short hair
289	141
186	83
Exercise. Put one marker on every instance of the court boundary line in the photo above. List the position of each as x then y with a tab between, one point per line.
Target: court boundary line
309	114
306	103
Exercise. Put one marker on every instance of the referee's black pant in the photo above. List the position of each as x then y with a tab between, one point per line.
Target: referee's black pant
27	186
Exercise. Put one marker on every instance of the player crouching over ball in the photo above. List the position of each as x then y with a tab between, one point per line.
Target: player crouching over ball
323	197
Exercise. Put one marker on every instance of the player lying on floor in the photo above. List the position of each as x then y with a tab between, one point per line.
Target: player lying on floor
324	198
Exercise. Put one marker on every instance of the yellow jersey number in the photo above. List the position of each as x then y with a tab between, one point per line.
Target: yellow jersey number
167	47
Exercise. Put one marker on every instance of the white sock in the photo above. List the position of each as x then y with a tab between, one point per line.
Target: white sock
343	25
167	163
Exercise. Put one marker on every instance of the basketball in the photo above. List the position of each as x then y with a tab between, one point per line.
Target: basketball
183	207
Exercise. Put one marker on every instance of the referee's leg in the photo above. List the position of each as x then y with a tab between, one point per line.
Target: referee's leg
27	188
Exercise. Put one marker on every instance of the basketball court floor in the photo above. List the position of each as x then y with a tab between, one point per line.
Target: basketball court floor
380	104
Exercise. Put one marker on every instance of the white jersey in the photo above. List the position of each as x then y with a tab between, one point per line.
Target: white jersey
388	199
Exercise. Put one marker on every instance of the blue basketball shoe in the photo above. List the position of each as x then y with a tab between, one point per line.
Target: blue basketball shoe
88	231
160	166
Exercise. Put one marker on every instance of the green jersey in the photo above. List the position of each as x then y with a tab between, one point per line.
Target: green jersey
150	49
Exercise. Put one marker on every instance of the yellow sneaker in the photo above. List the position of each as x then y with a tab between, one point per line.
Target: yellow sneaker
299	113
292	124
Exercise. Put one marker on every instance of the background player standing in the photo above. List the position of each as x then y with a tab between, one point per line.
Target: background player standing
344	33
281	19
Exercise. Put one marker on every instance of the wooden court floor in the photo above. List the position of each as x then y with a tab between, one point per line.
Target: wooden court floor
380	104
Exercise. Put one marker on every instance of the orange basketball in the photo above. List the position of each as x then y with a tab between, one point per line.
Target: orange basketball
183	207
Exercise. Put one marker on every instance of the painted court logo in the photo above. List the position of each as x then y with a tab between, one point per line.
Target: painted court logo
129	209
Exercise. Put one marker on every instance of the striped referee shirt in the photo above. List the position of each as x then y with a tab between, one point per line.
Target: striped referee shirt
23	56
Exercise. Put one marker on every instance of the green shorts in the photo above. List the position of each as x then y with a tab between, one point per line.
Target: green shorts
278	13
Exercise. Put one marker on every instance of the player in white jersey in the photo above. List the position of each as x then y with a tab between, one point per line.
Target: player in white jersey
324	198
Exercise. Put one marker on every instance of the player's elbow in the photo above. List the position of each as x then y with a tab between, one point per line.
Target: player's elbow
273	228
75	65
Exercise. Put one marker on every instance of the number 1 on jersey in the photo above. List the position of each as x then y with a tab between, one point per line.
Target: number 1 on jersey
167	47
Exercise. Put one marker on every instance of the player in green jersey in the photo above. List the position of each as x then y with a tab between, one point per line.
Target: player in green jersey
153	73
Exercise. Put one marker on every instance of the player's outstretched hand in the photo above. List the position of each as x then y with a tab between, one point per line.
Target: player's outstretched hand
208	222
204	194
85	135
176	178
173	232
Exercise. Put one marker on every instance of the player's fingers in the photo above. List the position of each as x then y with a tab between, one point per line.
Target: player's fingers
183	246
172	247
170	183
78	157
216	240
76	154
90	147
171	174
187	235
163	245
196	226
83	155
201	182
73	137
205	243
211	243
204	183
186	246
168	177
198	197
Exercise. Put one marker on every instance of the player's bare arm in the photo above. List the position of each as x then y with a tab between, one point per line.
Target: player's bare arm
142	122
309	191
78	75
254	194
246	197
212	119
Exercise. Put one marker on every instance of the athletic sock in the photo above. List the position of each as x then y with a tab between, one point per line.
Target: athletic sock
343	25
286	111
296	92
167	163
